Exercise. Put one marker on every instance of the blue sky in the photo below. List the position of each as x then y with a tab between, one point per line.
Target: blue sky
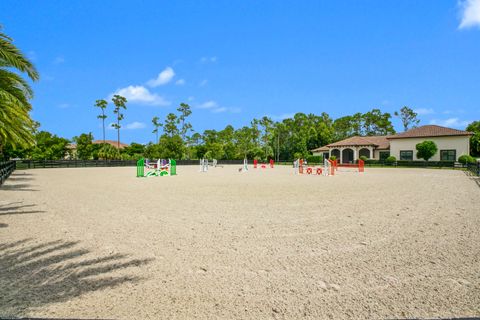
236	60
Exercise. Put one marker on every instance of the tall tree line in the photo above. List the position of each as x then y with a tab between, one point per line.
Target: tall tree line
263	138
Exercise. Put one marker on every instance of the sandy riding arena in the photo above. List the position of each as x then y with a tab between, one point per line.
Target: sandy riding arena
266	244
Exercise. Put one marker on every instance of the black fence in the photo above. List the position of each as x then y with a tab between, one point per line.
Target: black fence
474	168
6	169
33	164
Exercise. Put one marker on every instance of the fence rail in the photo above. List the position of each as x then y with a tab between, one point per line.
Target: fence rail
32	164
474	168
6	169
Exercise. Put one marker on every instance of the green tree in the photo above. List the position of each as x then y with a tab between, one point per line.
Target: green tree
244	139
408	117
377	123
102	104
426	149
134	149
109	152
185	112
170	127
226	138
120	103
185	127
156	125
266	125
474	128
171	146
84	146
153	151
48	147
16	126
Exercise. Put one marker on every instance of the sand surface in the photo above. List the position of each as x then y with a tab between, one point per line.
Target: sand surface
101	243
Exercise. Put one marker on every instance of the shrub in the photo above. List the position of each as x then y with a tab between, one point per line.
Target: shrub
390	159
426	149
333	158
314	159
297	155
364	158
465	158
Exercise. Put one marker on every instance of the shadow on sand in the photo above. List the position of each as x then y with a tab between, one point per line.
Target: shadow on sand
17	208
18	181
474	178
34	274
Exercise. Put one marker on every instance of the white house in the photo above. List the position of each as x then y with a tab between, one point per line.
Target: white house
451	143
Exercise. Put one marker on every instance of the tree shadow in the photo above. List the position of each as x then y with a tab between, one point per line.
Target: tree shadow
33	274
18	181
16	187
13	178
473	177
17	208
20	176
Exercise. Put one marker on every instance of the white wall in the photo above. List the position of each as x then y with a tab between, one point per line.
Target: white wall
459	143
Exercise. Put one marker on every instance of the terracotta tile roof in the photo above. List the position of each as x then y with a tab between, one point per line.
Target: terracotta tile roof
380	142
430	131
321	149
111	142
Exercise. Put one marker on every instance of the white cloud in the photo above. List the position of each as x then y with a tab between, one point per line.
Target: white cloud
180	82
208	105
424	111
135	125
141	95
63	105
451	122
203	83
191	98
470	14
164	77
59	60
213	107
208	59
218	110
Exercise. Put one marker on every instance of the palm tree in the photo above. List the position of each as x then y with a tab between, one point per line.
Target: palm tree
156	125
16	126
102	104
119	102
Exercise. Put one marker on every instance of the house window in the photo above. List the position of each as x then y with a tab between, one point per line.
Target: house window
406	155
384	155
448	155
